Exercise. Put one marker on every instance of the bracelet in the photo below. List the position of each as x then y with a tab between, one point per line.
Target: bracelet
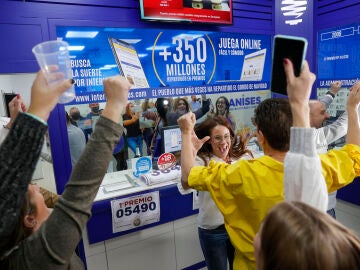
331	94
36	118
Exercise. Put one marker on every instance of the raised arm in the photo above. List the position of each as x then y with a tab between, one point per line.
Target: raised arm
303	180
328	98
353	134
204	109
74	207
338	128
134	119
17	105
20	150
190	144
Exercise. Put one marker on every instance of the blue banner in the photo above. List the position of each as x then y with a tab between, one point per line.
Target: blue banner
339	55
162	63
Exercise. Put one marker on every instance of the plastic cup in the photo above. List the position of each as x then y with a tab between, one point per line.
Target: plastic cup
53	57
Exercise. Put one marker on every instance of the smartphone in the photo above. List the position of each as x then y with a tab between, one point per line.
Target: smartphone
7	98
290	47
129	63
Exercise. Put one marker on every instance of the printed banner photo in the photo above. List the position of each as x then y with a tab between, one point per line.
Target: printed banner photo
162	63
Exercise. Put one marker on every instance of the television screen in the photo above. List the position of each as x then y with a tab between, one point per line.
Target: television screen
192	11
171	139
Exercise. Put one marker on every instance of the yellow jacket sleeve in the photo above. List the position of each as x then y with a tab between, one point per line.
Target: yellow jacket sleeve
340	167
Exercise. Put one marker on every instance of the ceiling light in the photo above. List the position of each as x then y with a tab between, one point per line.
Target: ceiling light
76	48
81	34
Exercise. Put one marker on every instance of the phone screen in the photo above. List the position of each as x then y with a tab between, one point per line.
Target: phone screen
129	63
293	48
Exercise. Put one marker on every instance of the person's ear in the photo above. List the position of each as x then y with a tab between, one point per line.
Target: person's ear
30	221
260	137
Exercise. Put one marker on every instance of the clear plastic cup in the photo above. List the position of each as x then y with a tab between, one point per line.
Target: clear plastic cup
51	54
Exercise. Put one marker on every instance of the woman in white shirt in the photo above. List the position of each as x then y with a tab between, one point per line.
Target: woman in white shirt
222	146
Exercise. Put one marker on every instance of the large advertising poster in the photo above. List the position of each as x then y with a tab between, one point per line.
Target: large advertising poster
171	63
338	59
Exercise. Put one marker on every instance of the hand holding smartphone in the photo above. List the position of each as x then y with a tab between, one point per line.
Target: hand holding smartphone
290	47
7	97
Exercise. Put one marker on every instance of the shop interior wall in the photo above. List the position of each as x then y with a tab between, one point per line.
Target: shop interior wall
36	21
329	14
333	13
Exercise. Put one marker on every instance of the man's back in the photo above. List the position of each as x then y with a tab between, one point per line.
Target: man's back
251	188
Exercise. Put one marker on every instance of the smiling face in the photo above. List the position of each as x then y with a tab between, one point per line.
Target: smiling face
181	107
221	106
220	140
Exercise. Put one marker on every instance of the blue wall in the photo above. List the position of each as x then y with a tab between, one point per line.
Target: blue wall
36	21
26	23
328	14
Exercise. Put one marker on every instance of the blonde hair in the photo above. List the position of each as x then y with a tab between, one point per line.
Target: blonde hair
299	237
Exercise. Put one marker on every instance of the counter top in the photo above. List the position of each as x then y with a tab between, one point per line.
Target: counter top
122	183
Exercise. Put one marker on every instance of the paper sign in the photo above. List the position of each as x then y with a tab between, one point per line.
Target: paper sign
135	211
166	161
141	166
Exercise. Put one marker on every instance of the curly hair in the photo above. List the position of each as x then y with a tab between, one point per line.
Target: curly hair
237	148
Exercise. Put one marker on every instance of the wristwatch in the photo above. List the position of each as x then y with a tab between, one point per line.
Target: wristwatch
331	94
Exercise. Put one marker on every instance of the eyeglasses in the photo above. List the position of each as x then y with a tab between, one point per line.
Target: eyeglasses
219	139
181	103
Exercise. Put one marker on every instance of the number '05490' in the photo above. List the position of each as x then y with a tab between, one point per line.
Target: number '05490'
137	209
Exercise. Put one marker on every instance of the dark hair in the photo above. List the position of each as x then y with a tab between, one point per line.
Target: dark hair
227	105
273	118
19	233
237	148
176	103
297	236
161	110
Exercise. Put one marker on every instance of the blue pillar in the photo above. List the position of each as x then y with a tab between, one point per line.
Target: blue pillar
296	18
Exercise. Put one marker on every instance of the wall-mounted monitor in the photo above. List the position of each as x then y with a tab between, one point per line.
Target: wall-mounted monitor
187	11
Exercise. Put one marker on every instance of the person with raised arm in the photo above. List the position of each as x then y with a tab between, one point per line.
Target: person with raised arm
245	190
31	236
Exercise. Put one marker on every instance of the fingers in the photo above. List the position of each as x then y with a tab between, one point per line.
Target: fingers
192	117
354	95
289	70
205	139
355	86
22	103
336	84
305	68
61	87
54	77
52	68
355	89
